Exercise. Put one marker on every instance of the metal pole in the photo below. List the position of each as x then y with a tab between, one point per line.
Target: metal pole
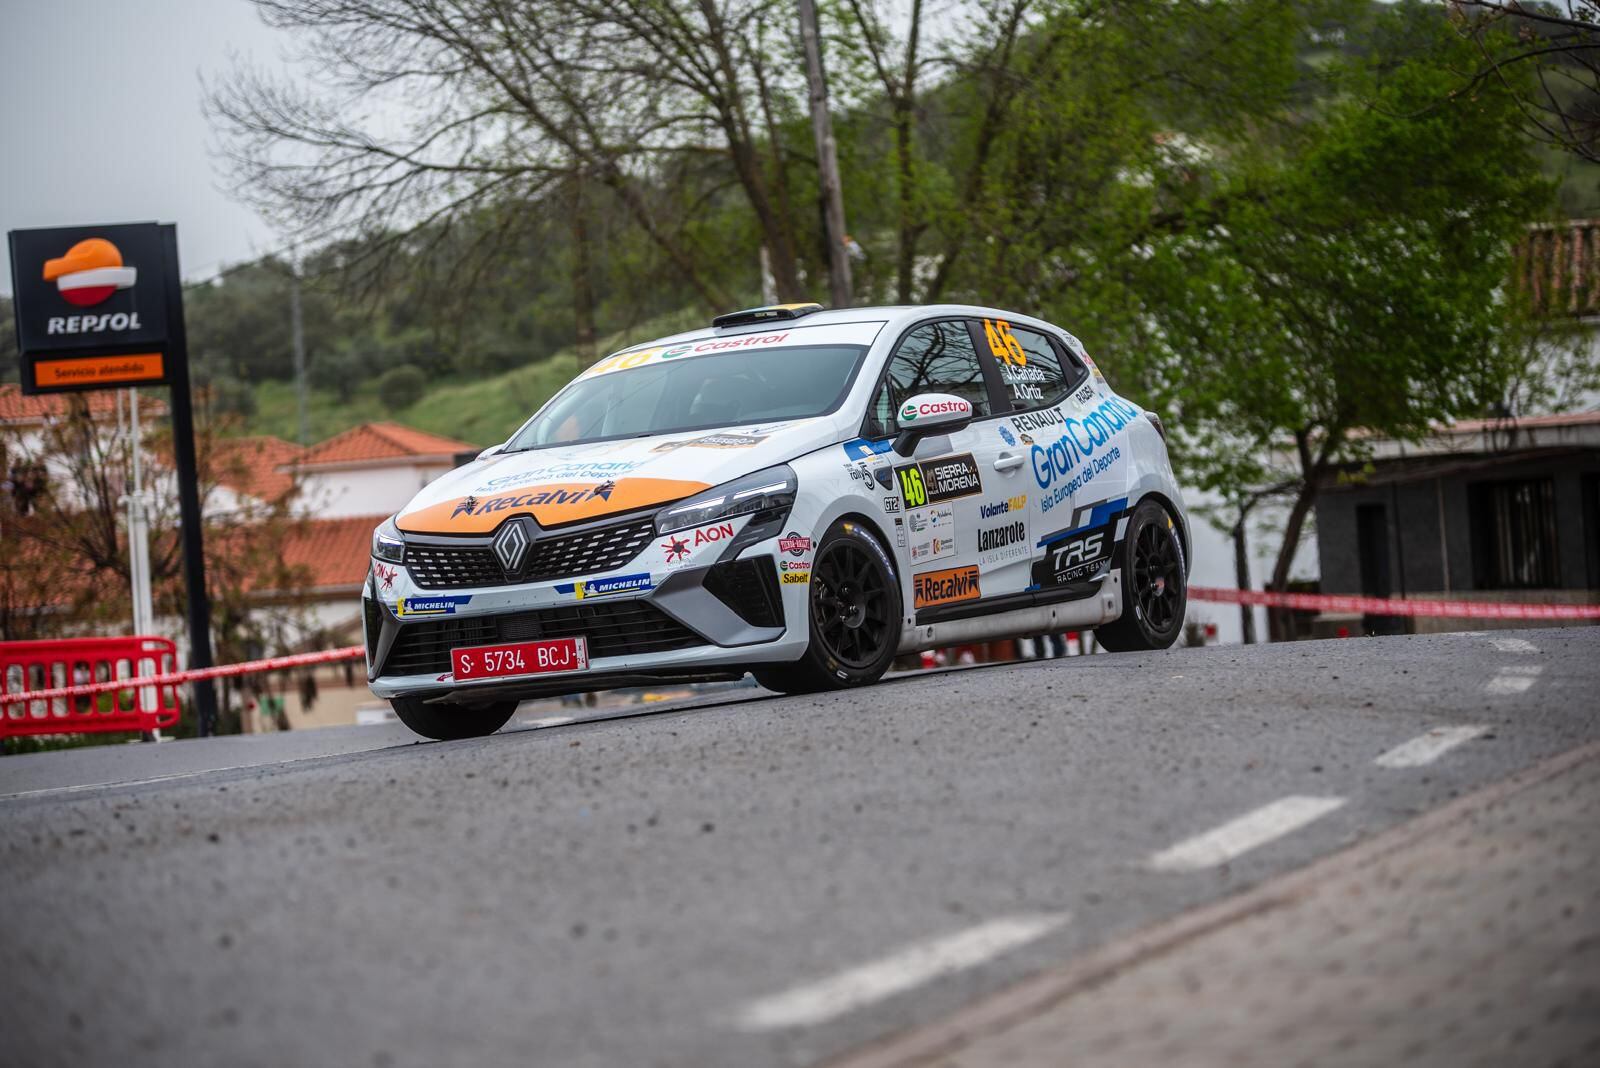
827	158
191	520
298	332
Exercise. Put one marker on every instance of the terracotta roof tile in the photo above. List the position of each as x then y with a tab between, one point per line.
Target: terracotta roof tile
380	441
334	552
15	407
251	465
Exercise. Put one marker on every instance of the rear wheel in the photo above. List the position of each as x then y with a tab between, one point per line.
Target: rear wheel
447	722
854	608
1154	584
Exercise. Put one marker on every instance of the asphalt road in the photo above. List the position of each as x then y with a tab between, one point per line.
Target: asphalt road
753	881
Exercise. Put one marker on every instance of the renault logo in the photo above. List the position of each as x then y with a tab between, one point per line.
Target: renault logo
511	545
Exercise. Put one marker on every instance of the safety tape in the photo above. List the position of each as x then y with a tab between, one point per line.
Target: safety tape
178	678
1394	606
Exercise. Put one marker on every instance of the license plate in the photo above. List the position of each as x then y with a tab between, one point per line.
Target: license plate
547	657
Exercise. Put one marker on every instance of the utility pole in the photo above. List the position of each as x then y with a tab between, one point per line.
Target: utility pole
298	333
827	158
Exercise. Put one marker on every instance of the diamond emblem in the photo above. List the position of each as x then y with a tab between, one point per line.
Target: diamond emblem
511	545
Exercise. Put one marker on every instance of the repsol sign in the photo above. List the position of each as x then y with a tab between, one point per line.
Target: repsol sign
1079	439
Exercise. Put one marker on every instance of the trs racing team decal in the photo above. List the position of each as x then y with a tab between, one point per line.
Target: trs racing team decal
602	587
932	481
550	505
429	606
1080	453
1075	554
945	587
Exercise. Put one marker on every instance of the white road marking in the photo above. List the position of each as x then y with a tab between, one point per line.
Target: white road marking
1514	645
549	721
911	966
1426	748
1239	836
1516	679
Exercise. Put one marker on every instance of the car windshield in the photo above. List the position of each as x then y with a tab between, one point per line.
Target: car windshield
701	393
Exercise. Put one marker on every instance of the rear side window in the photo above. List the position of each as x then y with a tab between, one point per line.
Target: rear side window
1030	366
933	358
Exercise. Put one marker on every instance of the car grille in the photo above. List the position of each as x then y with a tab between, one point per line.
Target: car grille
624	628
591	552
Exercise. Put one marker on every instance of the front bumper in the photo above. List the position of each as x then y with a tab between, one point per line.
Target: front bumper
707	621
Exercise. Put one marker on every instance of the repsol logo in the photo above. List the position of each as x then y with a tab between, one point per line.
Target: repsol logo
91	324
1079	439
1000	537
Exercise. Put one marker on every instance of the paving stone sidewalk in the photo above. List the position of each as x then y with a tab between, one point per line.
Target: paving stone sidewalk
1477	945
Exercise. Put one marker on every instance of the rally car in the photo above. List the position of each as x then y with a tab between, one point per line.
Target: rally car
796	493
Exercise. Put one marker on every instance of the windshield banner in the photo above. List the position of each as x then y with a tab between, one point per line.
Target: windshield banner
788	337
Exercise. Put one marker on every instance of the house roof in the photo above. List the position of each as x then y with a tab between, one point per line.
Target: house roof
1474	426
334	552
380	441
255	465
16	407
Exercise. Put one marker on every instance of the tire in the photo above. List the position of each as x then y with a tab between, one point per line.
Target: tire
855	606
446	722
1155	584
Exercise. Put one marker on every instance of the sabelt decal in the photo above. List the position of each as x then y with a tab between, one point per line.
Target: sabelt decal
945	587
796	578
603	587
551	505
932	481
430	606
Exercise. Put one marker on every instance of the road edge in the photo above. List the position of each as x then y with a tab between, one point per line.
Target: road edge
1040	992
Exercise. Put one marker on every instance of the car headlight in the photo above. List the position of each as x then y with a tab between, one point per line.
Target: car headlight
387	543
771	490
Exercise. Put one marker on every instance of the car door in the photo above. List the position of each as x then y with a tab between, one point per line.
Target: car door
957	515
1078	488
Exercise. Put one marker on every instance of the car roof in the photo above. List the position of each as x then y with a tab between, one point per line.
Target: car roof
895	315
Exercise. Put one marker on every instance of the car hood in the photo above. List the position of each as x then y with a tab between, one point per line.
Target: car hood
573	483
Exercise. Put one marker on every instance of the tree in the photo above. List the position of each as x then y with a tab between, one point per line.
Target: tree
1321	294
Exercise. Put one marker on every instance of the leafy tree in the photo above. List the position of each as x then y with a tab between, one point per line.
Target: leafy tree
1322	293
401	387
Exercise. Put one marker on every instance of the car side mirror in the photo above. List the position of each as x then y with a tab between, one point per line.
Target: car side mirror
929	413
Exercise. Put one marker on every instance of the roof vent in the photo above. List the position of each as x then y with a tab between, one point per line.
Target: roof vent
770	314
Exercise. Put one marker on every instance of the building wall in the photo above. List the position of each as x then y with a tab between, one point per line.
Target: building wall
334	494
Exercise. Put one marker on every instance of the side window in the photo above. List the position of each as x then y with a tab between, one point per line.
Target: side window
933	358
1030	367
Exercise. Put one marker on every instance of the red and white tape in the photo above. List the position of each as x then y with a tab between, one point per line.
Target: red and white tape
178	678
1395	606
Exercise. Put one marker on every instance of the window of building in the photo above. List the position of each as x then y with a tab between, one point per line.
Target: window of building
1514	534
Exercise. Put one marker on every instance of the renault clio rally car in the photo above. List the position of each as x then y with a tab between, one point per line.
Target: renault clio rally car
796	493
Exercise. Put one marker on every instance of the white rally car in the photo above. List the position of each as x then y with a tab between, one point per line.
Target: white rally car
797	493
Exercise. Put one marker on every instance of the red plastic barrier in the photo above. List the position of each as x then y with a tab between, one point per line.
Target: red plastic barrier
80	685
1395	606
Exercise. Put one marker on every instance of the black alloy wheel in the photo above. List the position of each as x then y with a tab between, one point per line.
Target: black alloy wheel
1154	584
854	608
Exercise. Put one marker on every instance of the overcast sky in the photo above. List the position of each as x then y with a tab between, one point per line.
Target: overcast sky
100	119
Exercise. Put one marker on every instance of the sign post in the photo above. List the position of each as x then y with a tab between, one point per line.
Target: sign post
101	307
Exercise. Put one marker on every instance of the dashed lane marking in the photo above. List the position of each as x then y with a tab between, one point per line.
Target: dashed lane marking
1247	832
1517	678
1520	646
906	968
1426	748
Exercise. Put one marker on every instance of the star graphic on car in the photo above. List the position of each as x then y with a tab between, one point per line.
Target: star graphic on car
677	549
603	491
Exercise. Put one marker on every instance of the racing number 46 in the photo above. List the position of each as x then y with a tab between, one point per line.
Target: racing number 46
1003	343
911	485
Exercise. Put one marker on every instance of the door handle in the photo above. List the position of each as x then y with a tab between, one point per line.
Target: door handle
1009	461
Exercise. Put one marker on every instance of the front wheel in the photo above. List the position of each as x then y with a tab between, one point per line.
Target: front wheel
854	608
446	722
1154	584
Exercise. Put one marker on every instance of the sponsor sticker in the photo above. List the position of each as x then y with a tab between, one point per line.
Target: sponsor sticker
713	441
891	505
1010	504
430	606
795	578
794	565
862	449
592	469
911	411
951	586
933	533
676	549
900	533
603	587
471	505
793	544
932	481
1007	436
386	575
